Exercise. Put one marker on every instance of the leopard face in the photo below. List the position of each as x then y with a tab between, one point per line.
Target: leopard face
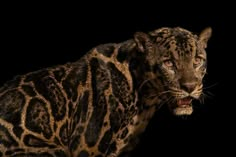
176	60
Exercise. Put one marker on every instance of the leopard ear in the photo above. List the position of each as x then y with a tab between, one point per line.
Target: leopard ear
205	36
143	41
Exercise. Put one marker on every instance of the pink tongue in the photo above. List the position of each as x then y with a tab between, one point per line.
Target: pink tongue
184	101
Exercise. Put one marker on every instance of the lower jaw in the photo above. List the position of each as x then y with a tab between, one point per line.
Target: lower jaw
179	111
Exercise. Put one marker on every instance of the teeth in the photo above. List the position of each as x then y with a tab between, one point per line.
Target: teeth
184	102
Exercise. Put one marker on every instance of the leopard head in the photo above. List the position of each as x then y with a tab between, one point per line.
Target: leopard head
174	66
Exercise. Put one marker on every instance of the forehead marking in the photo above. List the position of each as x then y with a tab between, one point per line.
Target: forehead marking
177	42
186	49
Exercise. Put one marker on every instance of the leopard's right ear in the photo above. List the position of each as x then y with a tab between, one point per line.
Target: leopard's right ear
143	41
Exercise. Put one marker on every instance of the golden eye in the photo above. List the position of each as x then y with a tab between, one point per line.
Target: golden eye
197	61
168	63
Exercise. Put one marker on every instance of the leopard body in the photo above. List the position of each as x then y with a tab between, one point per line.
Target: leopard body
100	104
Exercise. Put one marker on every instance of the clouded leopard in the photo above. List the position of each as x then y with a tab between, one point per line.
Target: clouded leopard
98	105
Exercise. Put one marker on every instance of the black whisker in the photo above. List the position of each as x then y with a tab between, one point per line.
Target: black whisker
210	86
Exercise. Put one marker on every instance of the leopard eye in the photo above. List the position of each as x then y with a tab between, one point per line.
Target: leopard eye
168	63
197	61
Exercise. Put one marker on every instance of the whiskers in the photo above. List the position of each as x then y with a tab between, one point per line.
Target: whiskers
159	94
170	99
206	94
143	83
154	97
178	93
210	86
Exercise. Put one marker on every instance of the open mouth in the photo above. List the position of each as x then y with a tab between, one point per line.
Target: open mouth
183	107
185	102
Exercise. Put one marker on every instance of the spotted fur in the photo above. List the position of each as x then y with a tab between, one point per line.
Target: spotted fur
98	105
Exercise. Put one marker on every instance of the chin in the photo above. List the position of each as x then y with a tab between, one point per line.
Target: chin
180	111
182	107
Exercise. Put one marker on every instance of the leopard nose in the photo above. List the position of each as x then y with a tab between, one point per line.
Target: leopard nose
188	86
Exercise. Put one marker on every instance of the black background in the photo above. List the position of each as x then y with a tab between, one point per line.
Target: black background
35	36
